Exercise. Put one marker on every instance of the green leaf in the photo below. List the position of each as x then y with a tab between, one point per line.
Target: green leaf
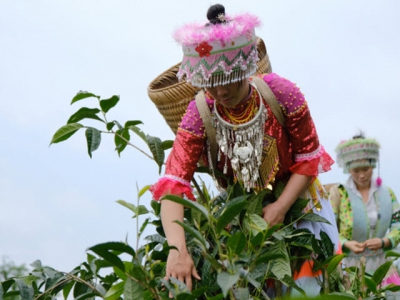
133	290
155	146
103	250
25	291
115	291
67	289
167	144
230	211
37	264
391	253
237	243
255	206
327	246
137	210
391	287
381	272
279	189
138	273
65	132
156	207
281	267
188	203
335	262
143	190
179	286
226	281
121	139
93	139
6	284
268	257
371	285
110	125
314	218
82	95
198	237
335	296
241	294
139	132
85	113
107	104
132	123
255	224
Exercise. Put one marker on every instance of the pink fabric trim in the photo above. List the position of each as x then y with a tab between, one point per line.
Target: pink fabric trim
314	166
169	186
309	156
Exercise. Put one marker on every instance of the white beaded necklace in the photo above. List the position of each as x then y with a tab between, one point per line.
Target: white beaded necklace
242	144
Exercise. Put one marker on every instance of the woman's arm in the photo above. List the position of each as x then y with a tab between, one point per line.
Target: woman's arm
274	213
179	263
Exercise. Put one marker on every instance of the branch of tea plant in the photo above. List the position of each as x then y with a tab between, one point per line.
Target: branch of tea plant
295	221
71	277
129	143
201	194
53	287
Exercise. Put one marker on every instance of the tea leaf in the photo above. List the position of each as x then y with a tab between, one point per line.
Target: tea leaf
188	203
82	95
226	281
107	104
65	132
281	267
115	291
93	139
381	272
157	150
85	113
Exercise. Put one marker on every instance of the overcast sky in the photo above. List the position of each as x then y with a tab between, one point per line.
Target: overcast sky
56	201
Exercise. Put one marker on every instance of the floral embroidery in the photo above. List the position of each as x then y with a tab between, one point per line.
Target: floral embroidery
204	49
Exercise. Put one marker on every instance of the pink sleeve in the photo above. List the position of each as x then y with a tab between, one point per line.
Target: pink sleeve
182	161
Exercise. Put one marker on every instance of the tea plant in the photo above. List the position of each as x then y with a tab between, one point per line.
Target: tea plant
236	254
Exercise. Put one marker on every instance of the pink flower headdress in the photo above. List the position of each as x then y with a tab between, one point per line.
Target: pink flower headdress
218	54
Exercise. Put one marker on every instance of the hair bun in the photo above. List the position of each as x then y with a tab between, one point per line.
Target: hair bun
214	11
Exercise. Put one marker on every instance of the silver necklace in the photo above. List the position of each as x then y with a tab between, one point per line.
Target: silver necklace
242	144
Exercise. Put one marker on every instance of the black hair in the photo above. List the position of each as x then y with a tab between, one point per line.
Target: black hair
360	135
214	12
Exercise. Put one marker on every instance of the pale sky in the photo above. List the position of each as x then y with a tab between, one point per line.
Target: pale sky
56	201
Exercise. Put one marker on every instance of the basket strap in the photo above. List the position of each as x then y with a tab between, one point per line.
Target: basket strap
270	98
205	115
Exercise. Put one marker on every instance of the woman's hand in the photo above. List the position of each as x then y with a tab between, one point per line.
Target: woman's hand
355	246
373	244
179	263
274	214
180	266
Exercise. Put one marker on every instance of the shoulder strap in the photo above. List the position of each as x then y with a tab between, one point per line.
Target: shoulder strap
205	115
270	98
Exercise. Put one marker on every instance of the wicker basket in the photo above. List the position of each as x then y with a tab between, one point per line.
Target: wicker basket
172	97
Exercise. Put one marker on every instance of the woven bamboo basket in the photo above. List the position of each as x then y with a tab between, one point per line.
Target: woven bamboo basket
172	97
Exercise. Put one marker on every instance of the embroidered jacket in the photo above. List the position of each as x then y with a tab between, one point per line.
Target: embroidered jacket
298	147
387	216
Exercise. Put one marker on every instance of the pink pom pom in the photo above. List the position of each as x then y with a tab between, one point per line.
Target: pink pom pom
379	181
